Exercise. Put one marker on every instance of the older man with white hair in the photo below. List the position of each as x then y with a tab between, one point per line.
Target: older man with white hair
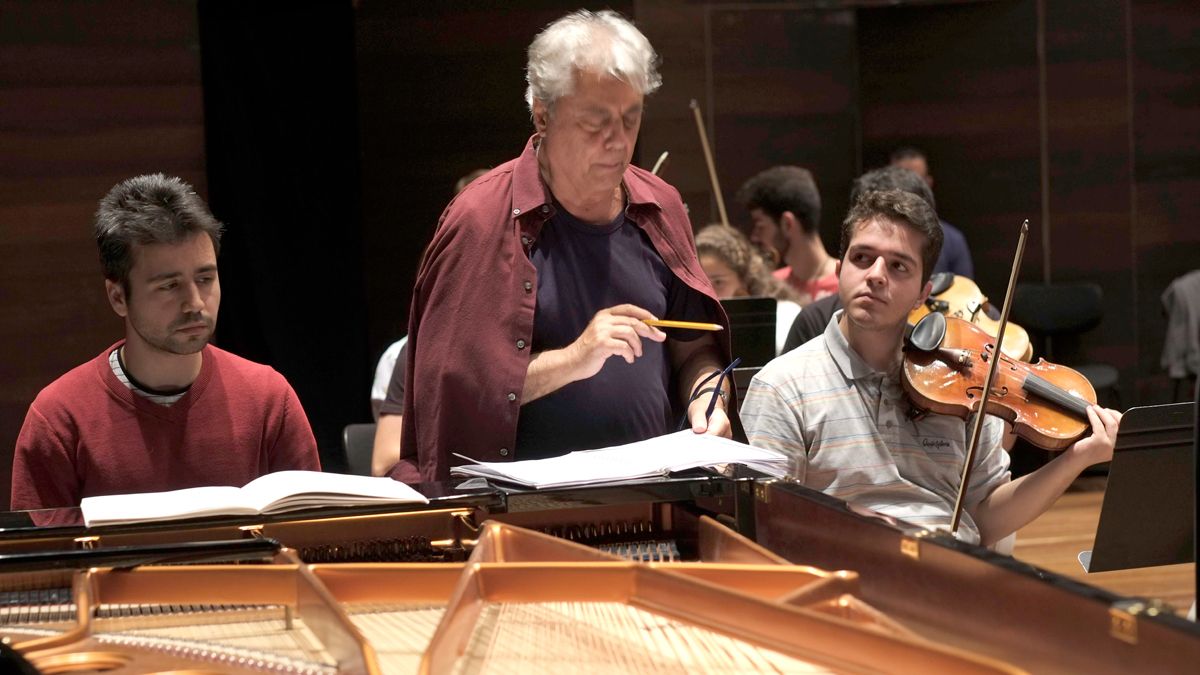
547	267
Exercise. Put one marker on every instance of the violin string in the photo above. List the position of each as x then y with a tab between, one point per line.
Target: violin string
1044	388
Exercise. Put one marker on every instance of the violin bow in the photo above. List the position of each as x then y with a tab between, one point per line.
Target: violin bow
997	355
660	164
708	159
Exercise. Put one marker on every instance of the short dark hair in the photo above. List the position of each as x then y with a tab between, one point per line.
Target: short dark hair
907	152
150	209
784	188
905	207
892	178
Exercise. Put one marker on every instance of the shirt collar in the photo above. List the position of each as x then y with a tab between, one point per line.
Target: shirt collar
531	194
852	365
639	191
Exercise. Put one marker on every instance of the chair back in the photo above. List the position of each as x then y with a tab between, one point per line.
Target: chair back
752	328
1058	309
741	381
359	442
1063	311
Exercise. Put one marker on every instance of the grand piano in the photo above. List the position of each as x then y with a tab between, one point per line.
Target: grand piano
725	573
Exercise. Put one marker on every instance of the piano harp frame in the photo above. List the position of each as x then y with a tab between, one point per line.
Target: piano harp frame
505	567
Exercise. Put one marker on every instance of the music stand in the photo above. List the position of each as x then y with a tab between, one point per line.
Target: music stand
1148	516
752	329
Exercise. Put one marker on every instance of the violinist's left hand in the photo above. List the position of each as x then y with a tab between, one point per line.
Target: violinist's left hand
717	425
1098	447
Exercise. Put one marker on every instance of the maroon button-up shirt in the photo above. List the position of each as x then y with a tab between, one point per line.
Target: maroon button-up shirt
471	323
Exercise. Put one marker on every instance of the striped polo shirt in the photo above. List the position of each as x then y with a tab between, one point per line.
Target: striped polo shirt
847	428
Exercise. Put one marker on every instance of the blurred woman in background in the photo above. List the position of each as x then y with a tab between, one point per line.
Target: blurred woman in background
737	270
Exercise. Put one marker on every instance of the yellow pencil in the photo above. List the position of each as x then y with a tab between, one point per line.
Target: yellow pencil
690	325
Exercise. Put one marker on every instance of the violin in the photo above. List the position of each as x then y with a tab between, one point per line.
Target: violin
958	296
1045	403
953	367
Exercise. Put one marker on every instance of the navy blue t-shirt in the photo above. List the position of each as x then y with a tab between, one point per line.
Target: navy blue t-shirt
582	269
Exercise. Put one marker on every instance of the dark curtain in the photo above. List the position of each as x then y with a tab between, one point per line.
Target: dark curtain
282	150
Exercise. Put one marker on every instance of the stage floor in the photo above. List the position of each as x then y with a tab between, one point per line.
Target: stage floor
1053	541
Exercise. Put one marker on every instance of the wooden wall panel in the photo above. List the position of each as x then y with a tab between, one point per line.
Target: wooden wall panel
92	93
961	83
775	84
784	92
1090	167
678	31
1166	138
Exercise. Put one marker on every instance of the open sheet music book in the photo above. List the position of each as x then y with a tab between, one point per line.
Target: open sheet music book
643	459
272	493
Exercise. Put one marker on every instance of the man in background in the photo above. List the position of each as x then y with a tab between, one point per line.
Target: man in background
785	208
956	255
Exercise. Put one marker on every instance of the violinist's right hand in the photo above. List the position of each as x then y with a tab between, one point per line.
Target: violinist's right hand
1098	447
615	331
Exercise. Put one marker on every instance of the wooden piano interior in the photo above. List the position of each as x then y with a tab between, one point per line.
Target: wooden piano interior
447	593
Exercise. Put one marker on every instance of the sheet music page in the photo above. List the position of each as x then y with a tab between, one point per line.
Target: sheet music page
148	506
279	491
652	457
285	490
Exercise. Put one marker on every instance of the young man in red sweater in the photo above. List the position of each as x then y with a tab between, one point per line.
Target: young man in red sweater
161	409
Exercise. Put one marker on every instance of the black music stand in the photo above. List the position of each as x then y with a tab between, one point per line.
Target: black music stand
1149	512
752	329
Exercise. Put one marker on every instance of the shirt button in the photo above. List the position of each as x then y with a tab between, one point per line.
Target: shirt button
528	286
525	240
512	396
504	452
545	209
516	212
520	344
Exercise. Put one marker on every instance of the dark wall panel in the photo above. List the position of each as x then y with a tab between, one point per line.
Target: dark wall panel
783	92
961	83
775	85
1166	141
1087	146
280	113
678	32
93	93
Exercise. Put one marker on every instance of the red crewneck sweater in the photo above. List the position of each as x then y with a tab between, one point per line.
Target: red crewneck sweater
87	434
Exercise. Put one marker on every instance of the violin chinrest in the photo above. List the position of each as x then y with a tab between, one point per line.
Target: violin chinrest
929	333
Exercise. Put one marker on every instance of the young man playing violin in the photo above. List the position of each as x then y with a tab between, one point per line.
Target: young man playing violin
836	404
